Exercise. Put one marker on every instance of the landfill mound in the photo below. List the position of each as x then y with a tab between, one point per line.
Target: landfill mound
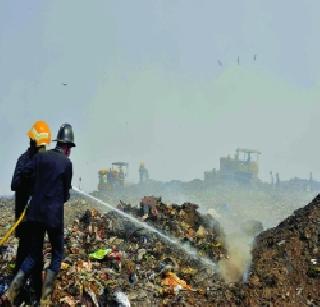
286	261
76	207
184	221
106	255
6	215
109	259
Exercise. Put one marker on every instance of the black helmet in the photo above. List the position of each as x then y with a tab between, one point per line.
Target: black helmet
65	135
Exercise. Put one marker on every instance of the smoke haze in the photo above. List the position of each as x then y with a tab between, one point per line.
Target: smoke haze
143	83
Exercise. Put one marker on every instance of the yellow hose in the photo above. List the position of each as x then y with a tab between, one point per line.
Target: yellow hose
13	227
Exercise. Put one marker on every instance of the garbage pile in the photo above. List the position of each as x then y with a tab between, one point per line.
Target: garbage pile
75	207
107	257
183	222
6	214
111	261
286	261
7	252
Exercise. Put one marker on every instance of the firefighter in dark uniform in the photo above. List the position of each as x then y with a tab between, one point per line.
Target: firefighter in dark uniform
51	174
39	136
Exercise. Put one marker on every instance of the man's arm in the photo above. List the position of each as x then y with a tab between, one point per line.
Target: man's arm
19	172
67	181
16	178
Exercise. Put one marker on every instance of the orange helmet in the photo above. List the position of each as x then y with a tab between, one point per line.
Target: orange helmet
40	132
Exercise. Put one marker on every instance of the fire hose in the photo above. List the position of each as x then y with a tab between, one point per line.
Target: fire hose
13	227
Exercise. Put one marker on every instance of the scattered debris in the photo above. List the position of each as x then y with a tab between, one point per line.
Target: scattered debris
111	261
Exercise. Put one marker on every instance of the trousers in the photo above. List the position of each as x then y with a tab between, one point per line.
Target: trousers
23	251
56	239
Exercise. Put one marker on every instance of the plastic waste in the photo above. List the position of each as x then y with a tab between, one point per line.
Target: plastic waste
100	254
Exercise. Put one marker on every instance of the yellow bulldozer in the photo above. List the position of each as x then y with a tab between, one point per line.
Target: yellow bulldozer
243	167
114	177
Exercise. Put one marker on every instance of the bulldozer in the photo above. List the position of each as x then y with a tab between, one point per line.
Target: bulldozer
114	177
243	167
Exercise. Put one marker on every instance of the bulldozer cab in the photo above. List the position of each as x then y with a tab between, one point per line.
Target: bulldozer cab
243	168
247	155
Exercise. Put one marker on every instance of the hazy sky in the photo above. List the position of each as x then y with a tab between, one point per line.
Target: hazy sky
144	83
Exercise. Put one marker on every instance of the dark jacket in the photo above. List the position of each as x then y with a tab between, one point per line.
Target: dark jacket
20	184
51	173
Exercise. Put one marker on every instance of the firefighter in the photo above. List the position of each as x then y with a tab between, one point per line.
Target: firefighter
39	137
51	173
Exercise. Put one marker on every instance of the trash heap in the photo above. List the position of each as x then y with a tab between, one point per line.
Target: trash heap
6	214
75	207
183	222
286	261
108	258
8	251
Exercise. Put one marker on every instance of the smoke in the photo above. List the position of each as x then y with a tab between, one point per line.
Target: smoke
243	212
238	242
236	265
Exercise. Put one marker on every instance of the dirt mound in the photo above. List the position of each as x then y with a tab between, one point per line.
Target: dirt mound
286	261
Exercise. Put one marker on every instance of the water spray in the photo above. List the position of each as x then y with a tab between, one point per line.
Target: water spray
186	248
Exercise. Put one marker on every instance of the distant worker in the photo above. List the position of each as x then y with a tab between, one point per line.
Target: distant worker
143	173
51	172
277	180
271	176
39	137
